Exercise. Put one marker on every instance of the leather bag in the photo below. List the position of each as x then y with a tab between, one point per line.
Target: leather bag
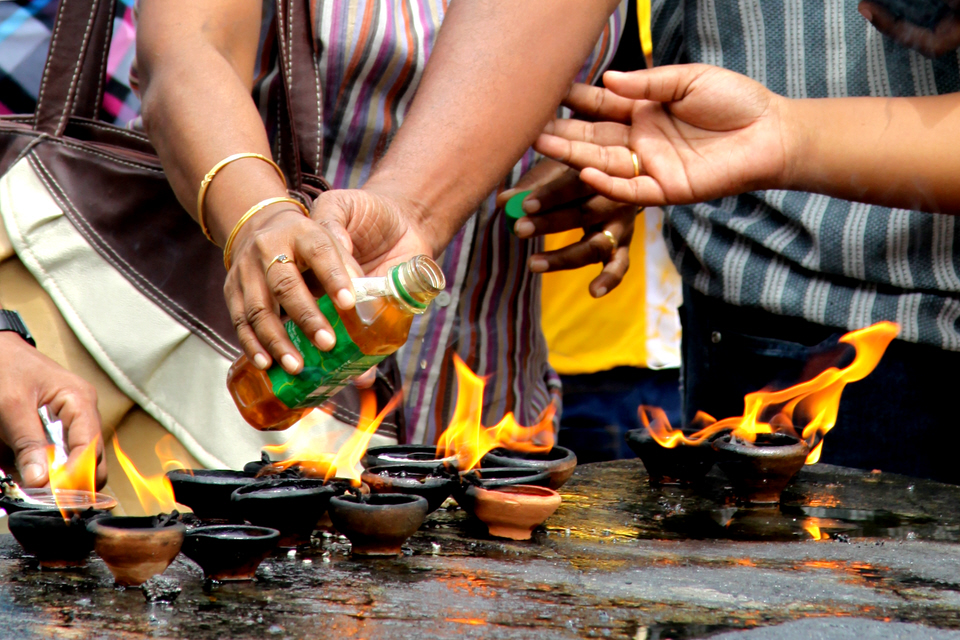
91	215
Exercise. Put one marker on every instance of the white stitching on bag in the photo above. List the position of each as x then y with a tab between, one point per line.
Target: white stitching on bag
68	106
146	287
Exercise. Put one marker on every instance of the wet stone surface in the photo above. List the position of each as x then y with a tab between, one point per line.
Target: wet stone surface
850	554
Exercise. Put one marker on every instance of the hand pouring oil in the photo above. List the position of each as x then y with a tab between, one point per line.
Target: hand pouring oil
273	400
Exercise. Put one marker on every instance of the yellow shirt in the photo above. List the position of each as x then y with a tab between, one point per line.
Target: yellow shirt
634	325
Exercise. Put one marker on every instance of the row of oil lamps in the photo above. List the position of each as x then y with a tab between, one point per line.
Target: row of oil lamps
245	515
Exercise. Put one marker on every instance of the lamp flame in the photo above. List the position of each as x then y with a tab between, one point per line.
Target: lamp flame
166	450
78	474
315	456
155	493
468	441
813	404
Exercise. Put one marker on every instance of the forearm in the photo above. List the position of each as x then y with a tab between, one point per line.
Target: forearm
896	152
197	109
492	83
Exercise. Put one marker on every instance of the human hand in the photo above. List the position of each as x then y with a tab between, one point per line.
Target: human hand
560	201
699	132
931	42
258	285
29	380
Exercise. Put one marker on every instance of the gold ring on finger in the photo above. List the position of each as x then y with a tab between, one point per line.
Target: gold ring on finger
281	258
613	241
636	164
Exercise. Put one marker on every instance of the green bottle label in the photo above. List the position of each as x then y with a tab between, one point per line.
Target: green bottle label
324	372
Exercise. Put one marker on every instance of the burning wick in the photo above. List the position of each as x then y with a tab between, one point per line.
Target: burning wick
316	458
467	441
815	401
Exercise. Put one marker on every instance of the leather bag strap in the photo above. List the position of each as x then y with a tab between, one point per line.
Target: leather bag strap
73	77
302	94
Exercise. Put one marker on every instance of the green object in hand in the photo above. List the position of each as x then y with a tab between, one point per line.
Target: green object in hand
514	208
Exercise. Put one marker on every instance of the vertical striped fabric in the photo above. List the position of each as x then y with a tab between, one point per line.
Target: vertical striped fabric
374	52
829	261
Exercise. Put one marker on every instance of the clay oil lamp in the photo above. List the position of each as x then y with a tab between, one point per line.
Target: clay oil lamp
511	512
292	506
429	480
56	542
678	465
137	548
71	489
397	454
760	470
207	491
499	477
229	552
379	523
673	456
559	462
782	429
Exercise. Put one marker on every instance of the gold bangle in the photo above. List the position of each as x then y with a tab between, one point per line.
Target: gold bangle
252	211
207	179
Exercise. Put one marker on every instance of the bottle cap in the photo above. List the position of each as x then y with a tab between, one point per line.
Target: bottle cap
514	208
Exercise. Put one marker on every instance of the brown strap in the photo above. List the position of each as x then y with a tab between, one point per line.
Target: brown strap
302	91
76	64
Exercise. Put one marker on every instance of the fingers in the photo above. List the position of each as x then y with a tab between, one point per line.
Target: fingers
661	84
613	272
29	443
643	191
598	104
607	134
543	172
290	291
77	410
596	246
366	379
614	160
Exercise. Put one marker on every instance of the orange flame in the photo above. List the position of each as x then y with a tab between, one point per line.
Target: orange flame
79	474
315	456
815	402
166	450
154	493
466	439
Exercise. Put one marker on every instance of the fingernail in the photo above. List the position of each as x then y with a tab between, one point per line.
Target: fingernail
290	364
31	473
866	13
261	361
324	339
531	205
346	299
602	291
523	228
539	265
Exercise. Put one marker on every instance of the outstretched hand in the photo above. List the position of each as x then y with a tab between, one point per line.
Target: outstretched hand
699	133
560	201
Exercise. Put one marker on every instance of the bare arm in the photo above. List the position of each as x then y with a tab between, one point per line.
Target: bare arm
897	152
496	75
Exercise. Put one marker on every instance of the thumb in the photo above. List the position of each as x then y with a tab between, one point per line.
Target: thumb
31	458
660	84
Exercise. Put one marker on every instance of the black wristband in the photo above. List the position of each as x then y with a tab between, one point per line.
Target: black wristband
11	321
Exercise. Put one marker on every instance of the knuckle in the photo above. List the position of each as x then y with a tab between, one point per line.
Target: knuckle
257	314
286	283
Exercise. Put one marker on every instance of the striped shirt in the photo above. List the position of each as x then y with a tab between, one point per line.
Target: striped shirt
830	261
374	53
